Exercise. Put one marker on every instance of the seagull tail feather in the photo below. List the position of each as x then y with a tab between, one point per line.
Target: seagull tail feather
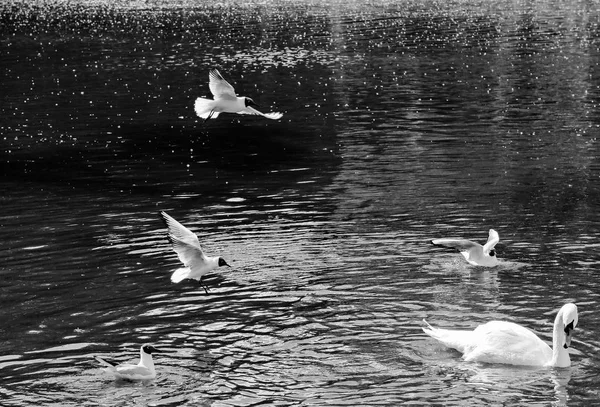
204	107
180	275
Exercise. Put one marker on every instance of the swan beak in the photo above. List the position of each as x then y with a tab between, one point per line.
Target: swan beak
568	336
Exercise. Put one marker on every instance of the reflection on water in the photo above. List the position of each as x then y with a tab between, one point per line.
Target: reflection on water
561	378
403	122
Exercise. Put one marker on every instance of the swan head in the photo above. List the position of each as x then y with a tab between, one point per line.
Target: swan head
569	320
250	102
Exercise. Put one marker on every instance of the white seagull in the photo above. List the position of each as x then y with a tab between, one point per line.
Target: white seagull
127	371
510	343
226	101
474	253
186	245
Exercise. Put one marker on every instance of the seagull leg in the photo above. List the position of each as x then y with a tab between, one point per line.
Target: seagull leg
209	116
203	285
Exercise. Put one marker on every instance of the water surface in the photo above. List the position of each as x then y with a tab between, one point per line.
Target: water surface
404	121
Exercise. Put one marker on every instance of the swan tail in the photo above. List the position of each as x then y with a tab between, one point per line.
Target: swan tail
429	330
204	108
180	274
428	326
459	340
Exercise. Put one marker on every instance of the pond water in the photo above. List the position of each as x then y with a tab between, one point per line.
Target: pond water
403	121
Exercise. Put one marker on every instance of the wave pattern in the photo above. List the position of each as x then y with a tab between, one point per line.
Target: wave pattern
403	122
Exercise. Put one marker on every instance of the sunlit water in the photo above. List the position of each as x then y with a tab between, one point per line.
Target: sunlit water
404	121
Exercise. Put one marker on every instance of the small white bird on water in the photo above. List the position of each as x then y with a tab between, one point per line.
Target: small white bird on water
510	343
226	101
127	371
474	253
186	245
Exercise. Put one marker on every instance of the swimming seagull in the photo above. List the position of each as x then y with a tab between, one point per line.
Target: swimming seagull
186	245
226	101
127	371
510	343
474	253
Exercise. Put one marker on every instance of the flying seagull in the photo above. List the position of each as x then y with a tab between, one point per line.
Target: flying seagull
226	101
186	245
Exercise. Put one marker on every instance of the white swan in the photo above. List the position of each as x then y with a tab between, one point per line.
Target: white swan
509	343
474	253
144	370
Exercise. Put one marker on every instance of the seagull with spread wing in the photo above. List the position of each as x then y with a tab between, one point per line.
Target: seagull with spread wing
226	101
474	253
186	245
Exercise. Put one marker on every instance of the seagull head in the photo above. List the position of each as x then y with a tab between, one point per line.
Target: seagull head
149	349
492	253
222	262
250	102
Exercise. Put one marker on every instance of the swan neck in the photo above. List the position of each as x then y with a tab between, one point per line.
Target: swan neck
560	355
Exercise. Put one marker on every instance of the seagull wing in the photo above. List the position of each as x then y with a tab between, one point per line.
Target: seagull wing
493	239
219	87
459	244
133	372
108	363
184	241
251	110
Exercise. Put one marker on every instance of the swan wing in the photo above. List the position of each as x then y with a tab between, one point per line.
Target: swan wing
219	87
185	243
508	343
493	239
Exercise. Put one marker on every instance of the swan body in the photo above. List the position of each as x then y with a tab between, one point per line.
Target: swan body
144	370
510	343
474	253
185	243
226	101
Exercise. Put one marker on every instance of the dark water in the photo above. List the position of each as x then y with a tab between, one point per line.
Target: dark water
404	121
